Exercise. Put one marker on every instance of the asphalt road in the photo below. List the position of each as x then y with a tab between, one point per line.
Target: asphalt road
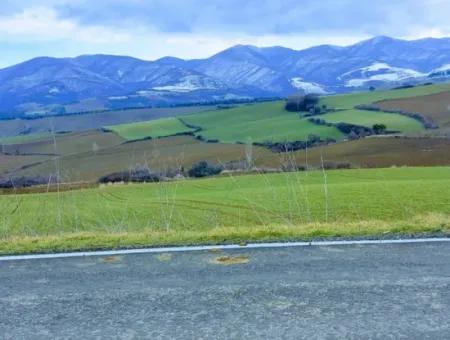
354	292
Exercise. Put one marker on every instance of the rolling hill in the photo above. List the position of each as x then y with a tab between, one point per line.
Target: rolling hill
54	86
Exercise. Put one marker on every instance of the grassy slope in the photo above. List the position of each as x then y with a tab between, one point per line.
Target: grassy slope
435	106
34	137
93	121
381	152
269	121
174	152
14	164
366	118
154	128
259	207
67	143
257	123
159	154
393	122
349	101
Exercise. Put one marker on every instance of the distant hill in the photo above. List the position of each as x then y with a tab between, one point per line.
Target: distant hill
44	84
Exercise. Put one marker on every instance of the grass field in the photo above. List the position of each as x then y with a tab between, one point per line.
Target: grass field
16	163
393	122
174	152
381	152
158	154
93	121
67	143
153	128
258	123
349	101
435	106
21	139
230	209
270	122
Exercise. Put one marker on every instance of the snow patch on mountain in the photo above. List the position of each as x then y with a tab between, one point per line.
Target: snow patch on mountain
188	84
118	97
442	68
307	87
443	71
377	71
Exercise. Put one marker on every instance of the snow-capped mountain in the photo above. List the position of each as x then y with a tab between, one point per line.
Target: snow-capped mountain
378	73
49	84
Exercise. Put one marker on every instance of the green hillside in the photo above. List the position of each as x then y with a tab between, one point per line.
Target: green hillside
349	101
153	128
393	122
257	123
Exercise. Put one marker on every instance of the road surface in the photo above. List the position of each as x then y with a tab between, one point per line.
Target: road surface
388	291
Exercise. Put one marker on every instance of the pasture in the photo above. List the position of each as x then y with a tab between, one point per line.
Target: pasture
349	101
434	106
21	139
258	123
393	121
92	121
284	206
183	151
150	129
66	144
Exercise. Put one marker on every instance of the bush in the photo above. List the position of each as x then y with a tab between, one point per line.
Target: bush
379	128
299	103
137	175
23	182
336	166
203	169
312	141
360	131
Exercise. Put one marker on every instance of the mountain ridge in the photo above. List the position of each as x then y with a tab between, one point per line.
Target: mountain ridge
47	84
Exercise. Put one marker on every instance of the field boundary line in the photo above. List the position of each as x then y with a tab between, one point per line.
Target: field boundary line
221	247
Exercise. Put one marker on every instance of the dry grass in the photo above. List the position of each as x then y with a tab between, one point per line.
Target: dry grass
434	106
79	241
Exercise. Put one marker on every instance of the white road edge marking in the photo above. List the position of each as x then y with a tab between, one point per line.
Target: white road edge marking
222	247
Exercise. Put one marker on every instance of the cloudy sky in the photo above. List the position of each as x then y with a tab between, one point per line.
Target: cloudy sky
150	29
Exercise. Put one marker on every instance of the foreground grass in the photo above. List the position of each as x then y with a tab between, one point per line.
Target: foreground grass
79	241
230	209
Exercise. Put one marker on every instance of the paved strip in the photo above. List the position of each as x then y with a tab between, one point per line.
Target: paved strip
219	247
361	291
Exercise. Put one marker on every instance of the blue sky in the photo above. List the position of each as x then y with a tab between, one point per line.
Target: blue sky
150	29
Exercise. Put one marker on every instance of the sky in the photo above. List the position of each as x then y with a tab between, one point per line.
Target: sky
150	29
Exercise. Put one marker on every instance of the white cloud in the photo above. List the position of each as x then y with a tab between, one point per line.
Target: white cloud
67	37
43	24
144	30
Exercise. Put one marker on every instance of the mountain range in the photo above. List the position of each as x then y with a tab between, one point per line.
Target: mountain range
59	85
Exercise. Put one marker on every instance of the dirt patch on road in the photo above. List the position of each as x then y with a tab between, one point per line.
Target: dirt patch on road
231	260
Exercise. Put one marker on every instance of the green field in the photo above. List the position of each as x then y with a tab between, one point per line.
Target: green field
153	129
349	101
258	123
270	122
393	122
283	206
